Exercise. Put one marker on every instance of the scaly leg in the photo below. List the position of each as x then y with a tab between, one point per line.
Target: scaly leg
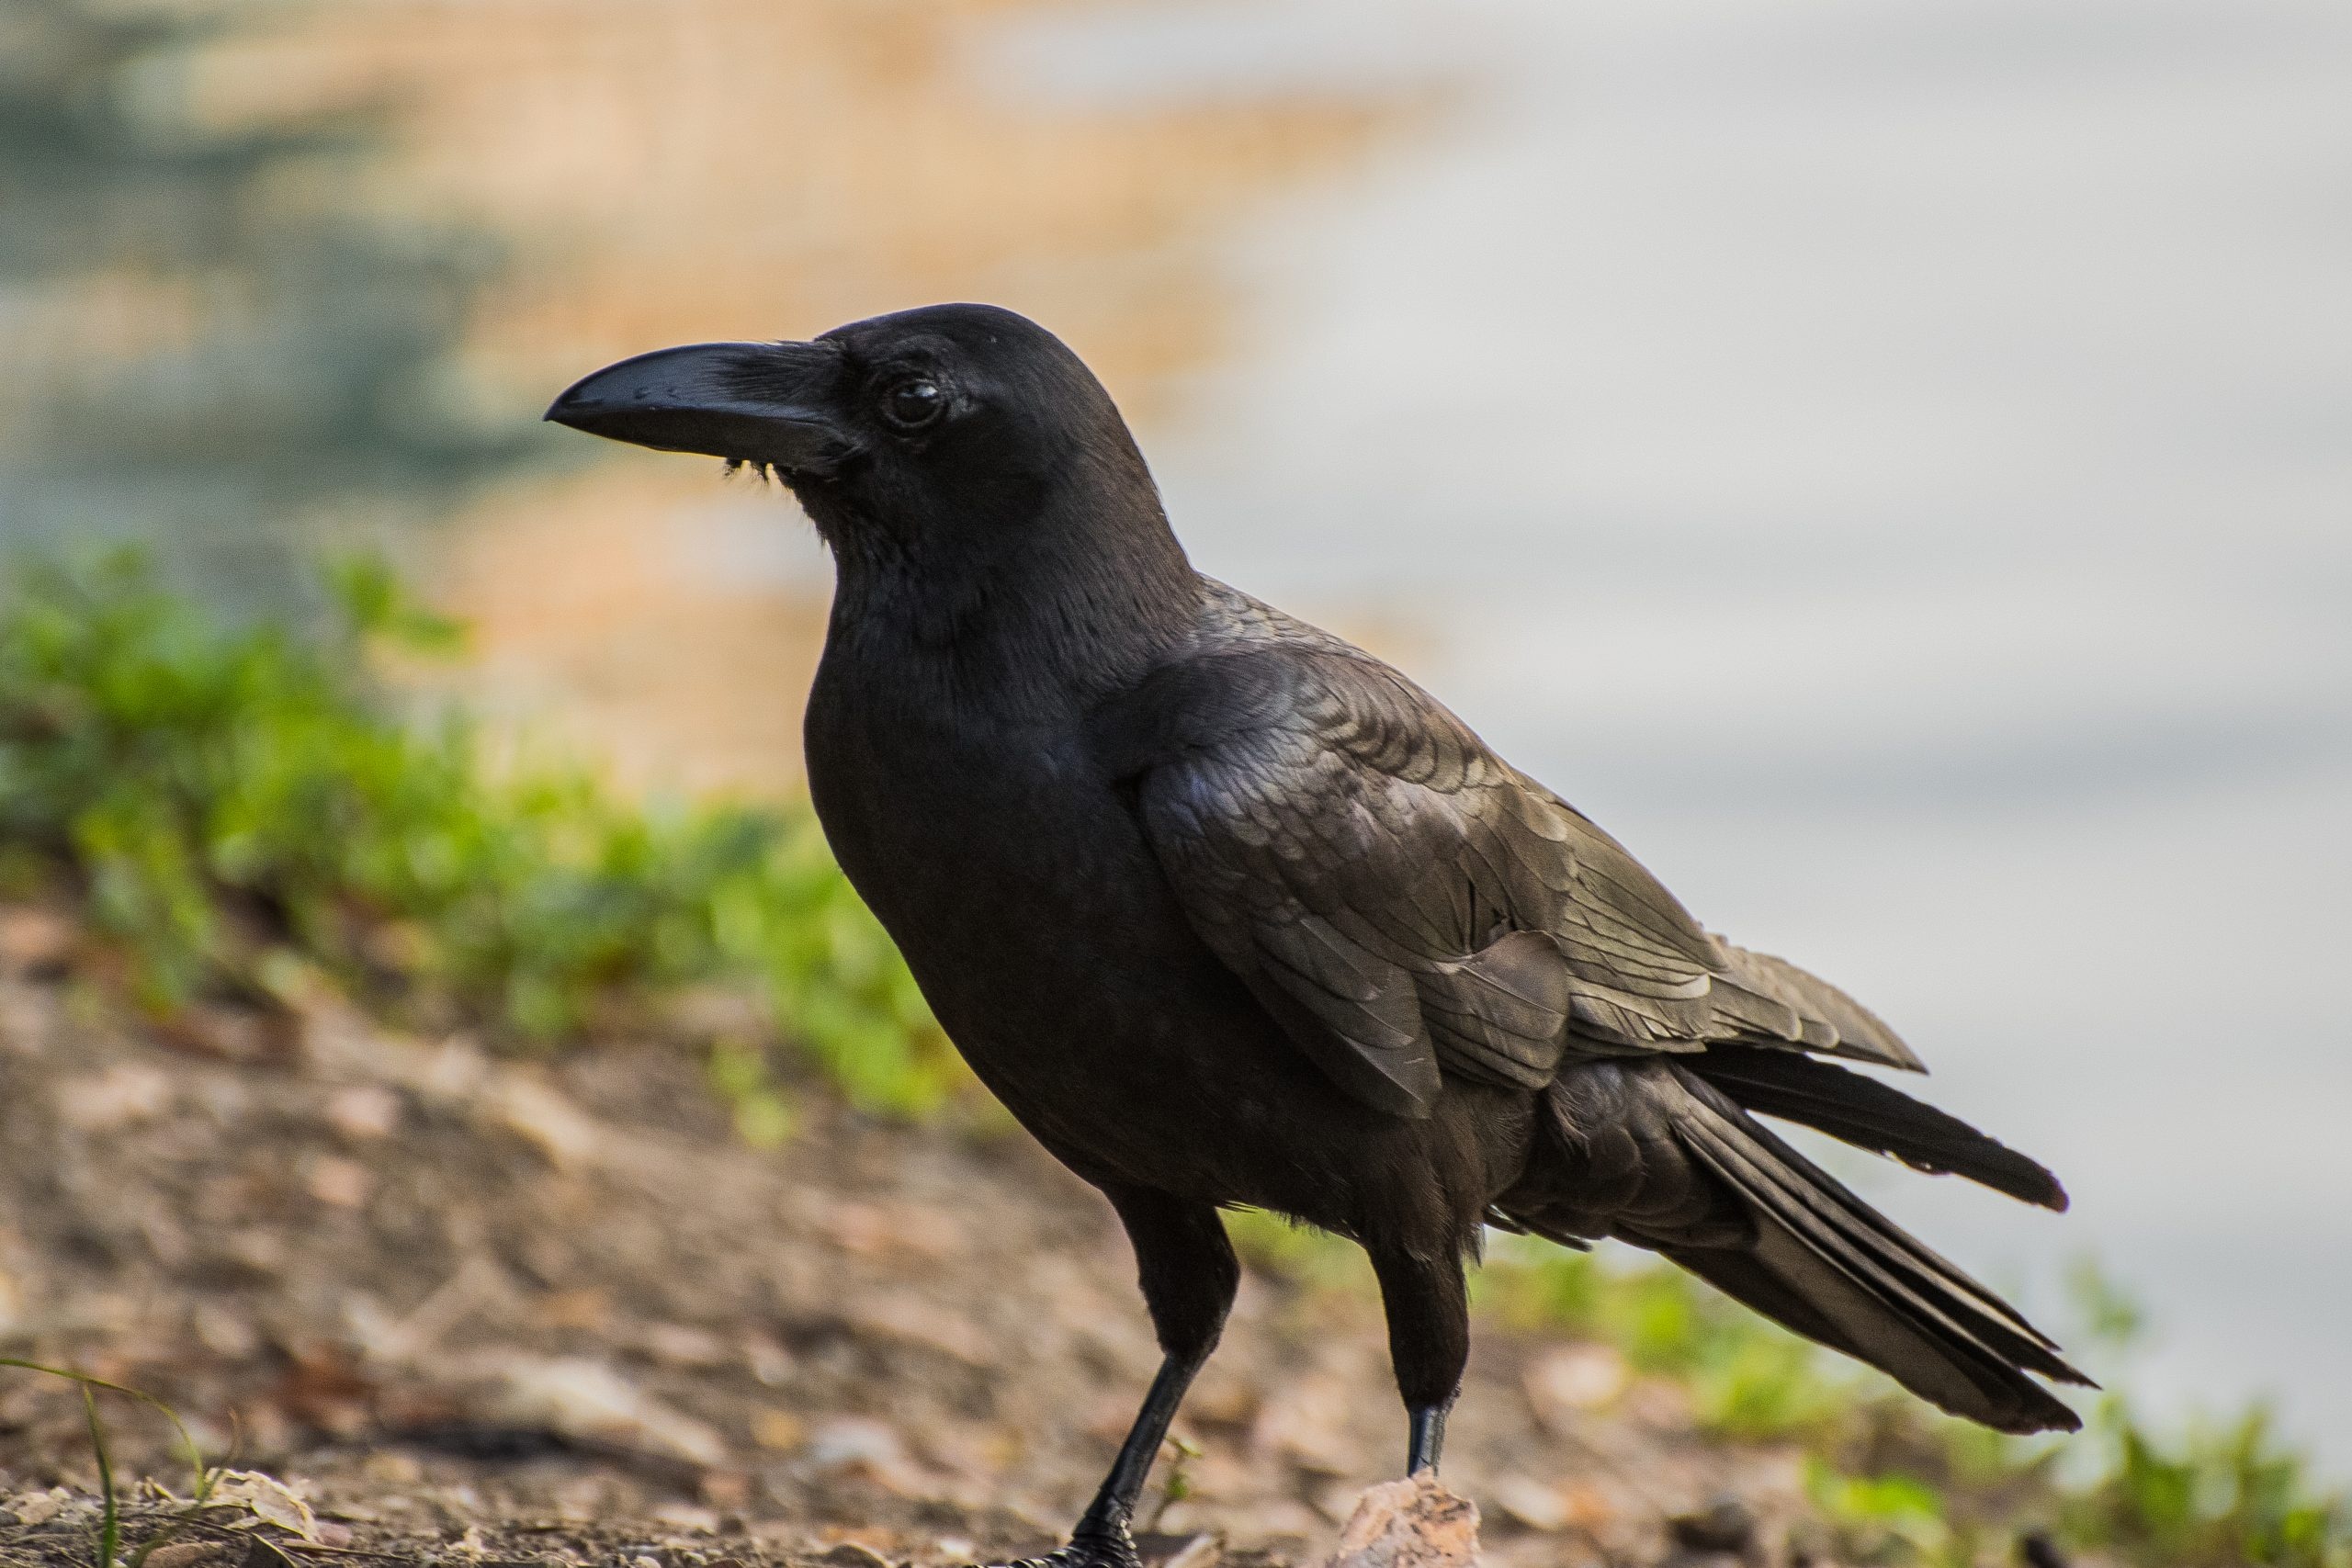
1189	1274
1428	1342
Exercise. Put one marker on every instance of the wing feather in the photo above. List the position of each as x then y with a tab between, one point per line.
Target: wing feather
1407	904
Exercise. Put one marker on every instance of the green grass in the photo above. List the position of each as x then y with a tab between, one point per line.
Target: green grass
238	807
106	1549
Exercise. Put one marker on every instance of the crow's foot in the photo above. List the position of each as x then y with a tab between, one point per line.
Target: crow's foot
1089	1548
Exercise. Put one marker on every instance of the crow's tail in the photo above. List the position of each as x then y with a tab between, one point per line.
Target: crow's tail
1872	1115
1652	1152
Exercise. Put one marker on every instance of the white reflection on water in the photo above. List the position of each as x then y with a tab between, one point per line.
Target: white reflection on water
1892	465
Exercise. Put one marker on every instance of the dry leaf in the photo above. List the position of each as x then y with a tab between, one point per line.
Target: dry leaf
122	1096
575	1397
268	1499
567	1135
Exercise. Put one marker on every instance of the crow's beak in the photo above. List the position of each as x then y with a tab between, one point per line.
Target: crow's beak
749	402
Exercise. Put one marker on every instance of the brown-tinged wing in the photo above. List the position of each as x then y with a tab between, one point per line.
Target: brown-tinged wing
1407	904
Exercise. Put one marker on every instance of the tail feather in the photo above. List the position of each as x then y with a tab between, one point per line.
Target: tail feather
1874	1116
1654	1154
1888	1299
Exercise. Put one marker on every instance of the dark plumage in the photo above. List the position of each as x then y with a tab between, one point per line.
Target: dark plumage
1229	912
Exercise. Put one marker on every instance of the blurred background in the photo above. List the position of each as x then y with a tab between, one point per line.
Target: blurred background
1892	465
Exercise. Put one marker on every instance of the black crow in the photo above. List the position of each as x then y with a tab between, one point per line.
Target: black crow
1229	913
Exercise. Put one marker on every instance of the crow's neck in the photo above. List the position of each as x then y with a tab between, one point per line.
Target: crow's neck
1051	614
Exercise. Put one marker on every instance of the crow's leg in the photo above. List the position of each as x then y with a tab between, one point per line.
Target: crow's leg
1189	1274
1429	1341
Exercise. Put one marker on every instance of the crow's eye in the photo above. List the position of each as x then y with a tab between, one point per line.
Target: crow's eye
909	405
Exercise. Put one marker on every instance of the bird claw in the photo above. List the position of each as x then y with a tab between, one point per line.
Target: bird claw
1087	1548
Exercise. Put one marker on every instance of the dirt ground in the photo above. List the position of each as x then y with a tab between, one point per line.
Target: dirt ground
446	1308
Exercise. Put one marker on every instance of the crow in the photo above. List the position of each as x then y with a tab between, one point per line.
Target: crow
1229	913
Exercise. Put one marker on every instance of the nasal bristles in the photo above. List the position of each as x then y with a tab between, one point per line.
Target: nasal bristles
764	471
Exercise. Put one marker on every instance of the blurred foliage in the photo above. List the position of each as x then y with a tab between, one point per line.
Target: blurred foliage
2219	1493
1890	1479
213	333
240	805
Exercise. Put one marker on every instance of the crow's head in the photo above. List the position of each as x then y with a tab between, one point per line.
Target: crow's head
945	431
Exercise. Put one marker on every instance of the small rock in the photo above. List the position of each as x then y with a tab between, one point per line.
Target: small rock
1589	1507
860	1445
769	1361
729	1489
390	1467
1410	1524
2036	1550
183	1553
778	1430
680	1345
363	1112
122	1096
1310	1423
578	1398
39	1507
719	1012
1724	1526
342	1183
855	1439
567	1135
692	1518
1571	1380
1531	1503
881	1230
228	1034
910	1320
853	1554
225	1331
582	1307
32	938
1222	1398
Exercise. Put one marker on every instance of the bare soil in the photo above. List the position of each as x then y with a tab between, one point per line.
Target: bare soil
474	1310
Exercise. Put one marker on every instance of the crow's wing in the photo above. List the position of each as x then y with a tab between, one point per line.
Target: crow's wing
1407	904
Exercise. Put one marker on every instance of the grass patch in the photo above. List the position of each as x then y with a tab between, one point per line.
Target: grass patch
238	804
108	1548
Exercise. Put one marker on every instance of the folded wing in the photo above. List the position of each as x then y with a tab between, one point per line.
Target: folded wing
1408	904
